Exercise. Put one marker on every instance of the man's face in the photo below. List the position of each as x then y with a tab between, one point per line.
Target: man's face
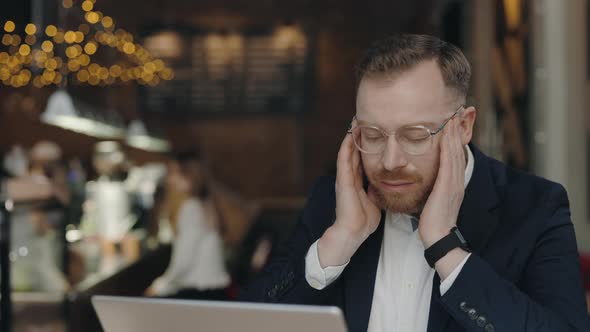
418	96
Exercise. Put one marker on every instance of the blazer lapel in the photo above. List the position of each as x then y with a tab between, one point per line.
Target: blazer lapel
360	280
477	222
477	217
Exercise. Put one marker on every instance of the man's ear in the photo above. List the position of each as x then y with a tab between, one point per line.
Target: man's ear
467	122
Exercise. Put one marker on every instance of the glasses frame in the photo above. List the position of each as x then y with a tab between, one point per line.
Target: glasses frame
386	134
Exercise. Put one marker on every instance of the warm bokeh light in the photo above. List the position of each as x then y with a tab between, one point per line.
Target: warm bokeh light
93	80
57	79
39	57
93	69
26	54
7	40
70	37
50	30
103	73
107	22
48	75
92	17
82	75
51	64
73	65
24	50
30	29
37	82
87	5
30	39
59	37
16	40
129	48
84	60
72	52
25	74
79	36
167	74
47	46
150	67
147	76
9	26
115	70
28	59
90	48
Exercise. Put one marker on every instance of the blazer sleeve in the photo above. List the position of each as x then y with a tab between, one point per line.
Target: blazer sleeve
283	278
550	296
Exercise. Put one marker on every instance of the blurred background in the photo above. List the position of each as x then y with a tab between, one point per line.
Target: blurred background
115	114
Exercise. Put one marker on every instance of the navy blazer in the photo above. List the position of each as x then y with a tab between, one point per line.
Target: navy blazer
523	275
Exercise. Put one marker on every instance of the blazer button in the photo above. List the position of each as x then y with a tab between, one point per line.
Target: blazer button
481	321
472	313
489	328
272	294
463	306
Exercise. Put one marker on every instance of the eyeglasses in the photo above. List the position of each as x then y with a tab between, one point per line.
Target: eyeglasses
414	140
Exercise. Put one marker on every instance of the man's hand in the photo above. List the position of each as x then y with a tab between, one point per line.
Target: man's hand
441	210
357	216
150	292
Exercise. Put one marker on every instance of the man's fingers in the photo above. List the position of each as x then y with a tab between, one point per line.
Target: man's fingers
344	173
357	169
459	154
443	169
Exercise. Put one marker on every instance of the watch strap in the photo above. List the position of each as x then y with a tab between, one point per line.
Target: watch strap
440	248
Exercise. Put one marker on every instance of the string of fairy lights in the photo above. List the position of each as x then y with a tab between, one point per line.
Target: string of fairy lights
44	56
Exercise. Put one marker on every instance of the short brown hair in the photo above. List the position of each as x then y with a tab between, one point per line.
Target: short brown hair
399	53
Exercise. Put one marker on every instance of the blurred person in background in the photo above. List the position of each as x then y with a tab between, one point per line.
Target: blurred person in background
171	194
108	215
37	242
197	267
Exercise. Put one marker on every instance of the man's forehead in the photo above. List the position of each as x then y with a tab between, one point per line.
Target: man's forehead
411	87
393	114
413	97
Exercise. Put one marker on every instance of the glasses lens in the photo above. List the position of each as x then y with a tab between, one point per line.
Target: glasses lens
368	139
414	140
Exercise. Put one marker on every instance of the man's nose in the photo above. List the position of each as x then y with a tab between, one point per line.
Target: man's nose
393	156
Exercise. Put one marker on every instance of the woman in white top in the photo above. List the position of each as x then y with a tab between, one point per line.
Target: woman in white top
197	266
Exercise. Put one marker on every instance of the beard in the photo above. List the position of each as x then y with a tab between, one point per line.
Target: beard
411	202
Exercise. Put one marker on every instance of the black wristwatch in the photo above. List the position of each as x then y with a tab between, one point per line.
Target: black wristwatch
439	249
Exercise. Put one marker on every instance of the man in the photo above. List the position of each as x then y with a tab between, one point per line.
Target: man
406	178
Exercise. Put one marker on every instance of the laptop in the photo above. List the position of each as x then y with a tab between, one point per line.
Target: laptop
129	314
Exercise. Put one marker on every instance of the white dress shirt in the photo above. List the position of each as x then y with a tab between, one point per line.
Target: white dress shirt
197	260
403	284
